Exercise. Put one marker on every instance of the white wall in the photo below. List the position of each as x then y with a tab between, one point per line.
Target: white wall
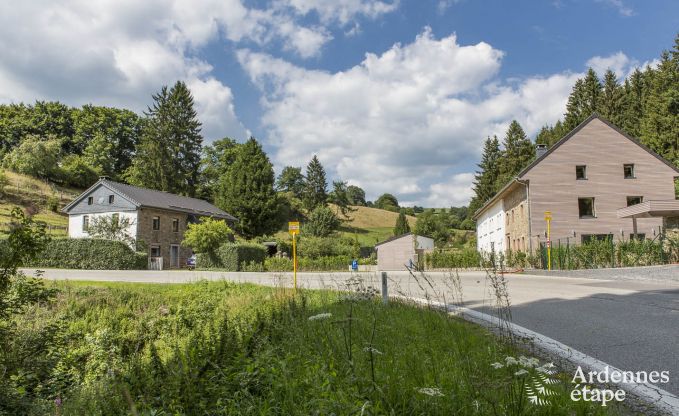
75	223
425	243
490	229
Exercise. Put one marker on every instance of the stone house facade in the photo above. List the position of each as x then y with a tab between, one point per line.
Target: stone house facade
158	219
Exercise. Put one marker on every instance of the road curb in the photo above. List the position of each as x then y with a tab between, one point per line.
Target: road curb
661	399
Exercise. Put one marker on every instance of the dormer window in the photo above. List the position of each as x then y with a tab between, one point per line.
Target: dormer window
111	198
581	172
628	170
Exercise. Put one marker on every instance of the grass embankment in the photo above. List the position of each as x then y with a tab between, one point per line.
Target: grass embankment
222	348
32	194
372	225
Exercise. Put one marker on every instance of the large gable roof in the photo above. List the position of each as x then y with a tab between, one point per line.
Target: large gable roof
563	140
150	198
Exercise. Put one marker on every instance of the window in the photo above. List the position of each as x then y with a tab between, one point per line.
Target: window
90	200
581	172
155	251
586	207
86	222
628	169
586	238
633	200
175	225
111	198
156	223
115	218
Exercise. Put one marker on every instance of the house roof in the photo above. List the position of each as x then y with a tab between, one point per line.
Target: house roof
143	197
396	237
557	145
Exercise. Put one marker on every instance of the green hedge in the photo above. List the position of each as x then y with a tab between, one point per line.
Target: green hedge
321	264
233	257
454	259
92	254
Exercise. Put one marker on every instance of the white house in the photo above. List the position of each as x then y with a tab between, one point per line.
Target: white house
490	229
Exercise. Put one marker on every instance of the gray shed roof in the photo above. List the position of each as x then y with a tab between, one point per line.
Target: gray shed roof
143	197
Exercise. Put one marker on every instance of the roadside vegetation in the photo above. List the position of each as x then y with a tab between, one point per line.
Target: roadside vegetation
223	348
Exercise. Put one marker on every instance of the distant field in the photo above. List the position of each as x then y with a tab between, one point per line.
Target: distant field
32	194
372	225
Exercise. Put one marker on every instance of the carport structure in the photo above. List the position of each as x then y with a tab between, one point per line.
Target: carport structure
668	210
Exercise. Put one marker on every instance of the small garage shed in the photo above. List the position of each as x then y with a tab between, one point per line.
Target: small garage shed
402	250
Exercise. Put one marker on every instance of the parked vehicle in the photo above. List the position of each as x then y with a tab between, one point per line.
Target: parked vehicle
191	262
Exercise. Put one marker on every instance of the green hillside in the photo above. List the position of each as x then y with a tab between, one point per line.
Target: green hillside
372	225
43	200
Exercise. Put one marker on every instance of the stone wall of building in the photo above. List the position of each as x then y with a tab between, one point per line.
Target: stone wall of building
163	238
517	236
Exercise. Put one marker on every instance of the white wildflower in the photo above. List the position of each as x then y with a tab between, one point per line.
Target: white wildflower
320	316
431	391
521	372
497	365
373	350
528	362
510	360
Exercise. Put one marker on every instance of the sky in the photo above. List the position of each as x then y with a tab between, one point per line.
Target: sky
392	95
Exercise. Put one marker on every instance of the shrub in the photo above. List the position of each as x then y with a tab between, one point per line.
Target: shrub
321	264
85	253
233	257
77	172
452	259
322	222
207	235
52	203
316	247
35	156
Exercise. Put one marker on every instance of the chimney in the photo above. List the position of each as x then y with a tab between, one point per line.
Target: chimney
540	149
104	178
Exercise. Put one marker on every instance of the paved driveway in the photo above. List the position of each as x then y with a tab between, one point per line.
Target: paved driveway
631	325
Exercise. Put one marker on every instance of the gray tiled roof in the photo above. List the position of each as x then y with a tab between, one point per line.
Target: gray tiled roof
144	197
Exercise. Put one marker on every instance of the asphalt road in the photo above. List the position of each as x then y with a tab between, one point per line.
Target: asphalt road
632	325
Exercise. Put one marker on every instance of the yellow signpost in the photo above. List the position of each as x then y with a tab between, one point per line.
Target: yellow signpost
548	218
293	229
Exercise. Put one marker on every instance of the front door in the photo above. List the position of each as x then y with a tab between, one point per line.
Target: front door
174	256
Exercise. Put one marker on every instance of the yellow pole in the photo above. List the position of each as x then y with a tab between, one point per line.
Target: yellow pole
294	261
549	246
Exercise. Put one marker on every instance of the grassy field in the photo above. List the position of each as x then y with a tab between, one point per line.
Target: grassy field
33	194
223	348
372	225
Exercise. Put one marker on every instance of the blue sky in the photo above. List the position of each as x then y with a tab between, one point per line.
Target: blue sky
394	96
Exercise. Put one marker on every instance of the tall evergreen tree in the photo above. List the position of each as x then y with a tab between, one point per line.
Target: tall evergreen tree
611	103
634	91
660	122
518	153
168	155
486	178
315	187
247	191
583	100
216	160
401	227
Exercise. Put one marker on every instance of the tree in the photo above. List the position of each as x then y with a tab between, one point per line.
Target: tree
216	160
291	180
486	178
36	156
611	104
634	95
518	153
429	224
322	222
339	197
315	187
168	155
401	227
356	195
111	227
75	171
207	235
247	191
660	122
388	202
583	100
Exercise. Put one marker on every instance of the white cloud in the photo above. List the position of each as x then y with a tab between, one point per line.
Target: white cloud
620	6
342	11
407	121
619	63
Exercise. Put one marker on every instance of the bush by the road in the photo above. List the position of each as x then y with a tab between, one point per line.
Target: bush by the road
454	259
233	257
92	254
317	247
320	264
